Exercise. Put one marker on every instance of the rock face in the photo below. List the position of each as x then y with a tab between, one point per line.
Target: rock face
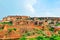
22	24
13	18
17	20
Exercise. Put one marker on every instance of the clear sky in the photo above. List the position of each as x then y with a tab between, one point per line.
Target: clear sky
30	7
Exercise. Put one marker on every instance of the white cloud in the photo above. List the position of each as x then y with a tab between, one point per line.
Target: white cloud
29	5
30	8
44	10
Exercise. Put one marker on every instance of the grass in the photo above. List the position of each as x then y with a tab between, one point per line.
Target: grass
53	37
40	37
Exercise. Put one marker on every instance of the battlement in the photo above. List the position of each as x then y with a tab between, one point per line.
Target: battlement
13	18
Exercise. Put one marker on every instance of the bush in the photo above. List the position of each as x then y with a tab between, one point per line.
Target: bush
39	38
32	39
9	23
57	24
51	29
27	34
55	37
22	38
14	29
46	38
1	28
10	29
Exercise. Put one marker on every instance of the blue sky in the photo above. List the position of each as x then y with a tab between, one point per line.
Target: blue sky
44	8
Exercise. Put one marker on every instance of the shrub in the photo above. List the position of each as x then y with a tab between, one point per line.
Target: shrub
2	28
55	37
22	38
46	38
32	39
39	38
51	29
9	30
14	29
9	23
57	24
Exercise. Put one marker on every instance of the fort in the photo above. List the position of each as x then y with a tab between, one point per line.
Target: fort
28	19
18	25
21	20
